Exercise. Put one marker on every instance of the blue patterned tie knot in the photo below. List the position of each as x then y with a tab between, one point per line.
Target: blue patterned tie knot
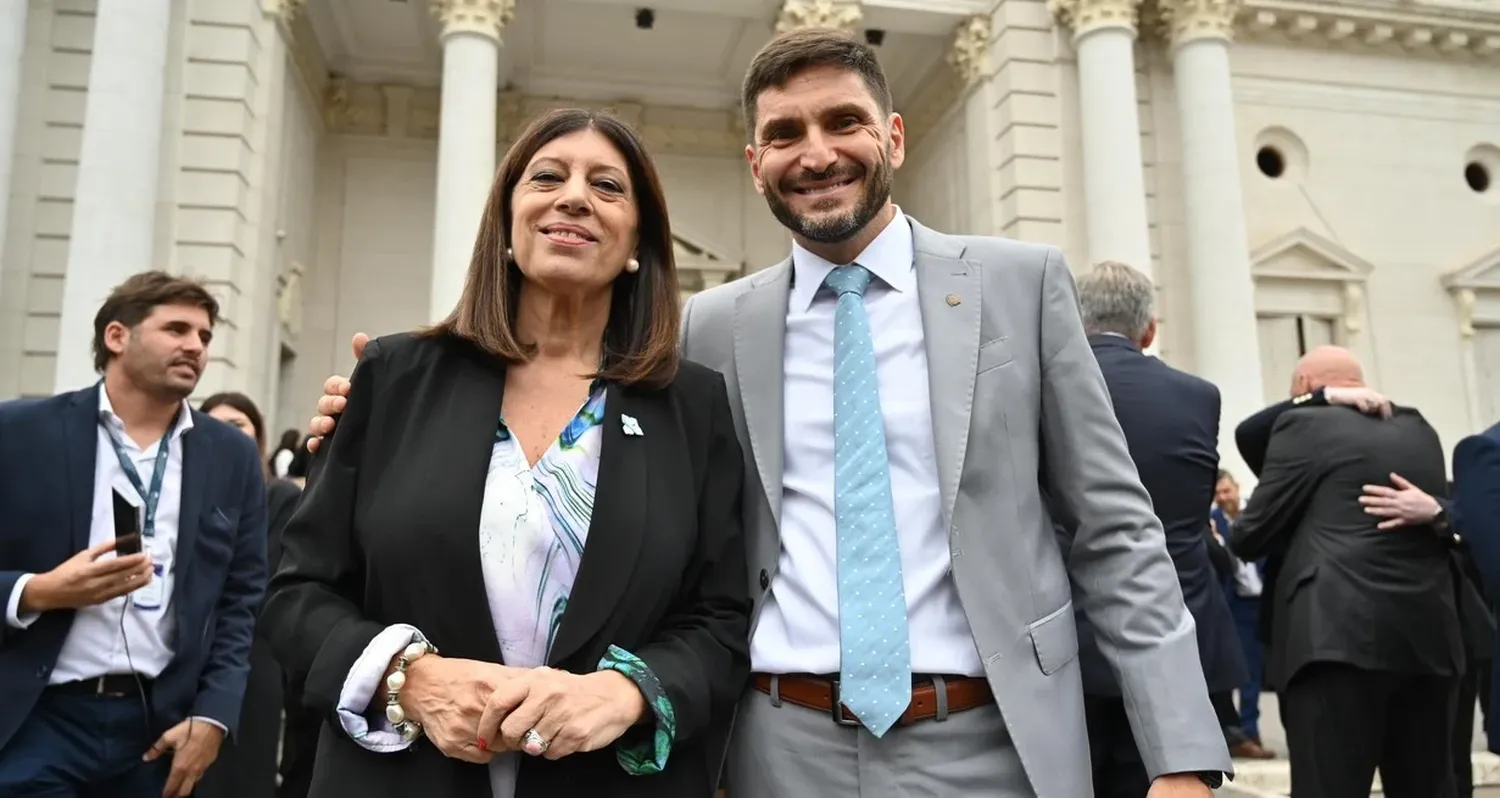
851	279
874	645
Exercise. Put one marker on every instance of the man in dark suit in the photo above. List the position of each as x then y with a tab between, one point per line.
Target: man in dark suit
1366	647
120	673
1171	424
1474	515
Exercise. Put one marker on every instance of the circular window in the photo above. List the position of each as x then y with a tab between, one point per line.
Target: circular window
1270	162
1477	176
1280	156
1481	166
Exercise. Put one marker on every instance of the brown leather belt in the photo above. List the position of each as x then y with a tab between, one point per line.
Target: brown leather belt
820	694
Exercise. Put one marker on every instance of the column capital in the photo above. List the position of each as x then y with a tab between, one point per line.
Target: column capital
1189	20
803	14
970	54
286	11
484	17
1086	16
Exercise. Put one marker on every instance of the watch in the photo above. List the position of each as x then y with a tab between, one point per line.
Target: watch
1213	778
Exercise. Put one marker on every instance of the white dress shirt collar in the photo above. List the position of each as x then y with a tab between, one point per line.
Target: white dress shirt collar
890	257
107	412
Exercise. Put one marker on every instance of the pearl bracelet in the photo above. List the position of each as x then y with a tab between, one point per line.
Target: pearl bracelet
408	729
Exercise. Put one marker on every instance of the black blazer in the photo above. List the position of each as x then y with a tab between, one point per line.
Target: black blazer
388	532
1349	592
1171	424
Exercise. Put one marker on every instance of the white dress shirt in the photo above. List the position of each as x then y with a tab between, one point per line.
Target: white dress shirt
798	630
113	638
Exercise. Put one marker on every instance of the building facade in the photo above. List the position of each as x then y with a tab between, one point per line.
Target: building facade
1289	171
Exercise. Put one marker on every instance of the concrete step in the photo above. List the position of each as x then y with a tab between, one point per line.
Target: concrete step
1273	778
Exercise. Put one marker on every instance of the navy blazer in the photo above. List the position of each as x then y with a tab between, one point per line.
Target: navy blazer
1475	514
1171	424
48	449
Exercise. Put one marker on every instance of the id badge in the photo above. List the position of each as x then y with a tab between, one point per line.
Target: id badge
150	596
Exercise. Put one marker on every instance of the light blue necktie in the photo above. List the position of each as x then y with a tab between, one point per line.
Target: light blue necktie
875	652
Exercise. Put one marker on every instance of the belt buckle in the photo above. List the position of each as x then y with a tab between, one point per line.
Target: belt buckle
99	688
838	707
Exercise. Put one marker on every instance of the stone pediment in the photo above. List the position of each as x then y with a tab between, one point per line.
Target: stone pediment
1480	275
1304	255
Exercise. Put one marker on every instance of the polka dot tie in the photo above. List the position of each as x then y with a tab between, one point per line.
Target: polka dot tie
875	652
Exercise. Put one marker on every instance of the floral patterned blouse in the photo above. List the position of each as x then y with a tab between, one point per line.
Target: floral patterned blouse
533	527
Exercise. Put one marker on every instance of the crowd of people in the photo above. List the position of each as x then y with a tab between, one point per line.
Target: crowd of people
908	513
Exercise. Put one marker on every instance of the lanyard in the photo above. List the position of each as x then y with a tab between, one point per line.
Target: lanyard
152	496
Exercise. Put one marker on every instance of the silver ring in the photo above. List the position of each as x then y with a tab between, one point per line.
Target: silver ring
534	739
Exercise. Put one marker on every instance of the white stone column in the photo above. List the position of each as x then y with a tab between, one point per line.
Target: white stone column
1223	294
1114	182
12	54
114	205
466	138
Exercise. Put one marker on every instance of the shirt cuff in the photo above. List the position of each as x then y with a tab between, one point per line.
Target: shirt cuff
213	722
374	732
643	750
13	615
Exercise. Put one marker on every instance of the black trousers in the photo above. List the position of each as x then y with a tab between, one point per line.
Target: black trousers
1472	690
1118	769
1344	723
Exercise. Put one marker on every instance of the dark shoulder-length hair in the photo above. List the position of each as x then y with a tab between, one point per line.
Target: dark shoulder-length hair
640	339
245	405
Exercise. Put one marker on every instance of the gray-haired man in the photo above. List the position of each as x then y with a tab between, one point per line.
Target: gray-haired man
1171	424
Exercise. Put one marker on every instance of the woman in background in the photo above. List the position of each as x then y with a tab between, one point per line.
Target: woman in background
246	767
280	460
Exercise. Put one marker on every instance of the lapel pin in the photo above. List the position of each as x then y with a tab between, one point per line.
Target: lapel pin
953	300
629	425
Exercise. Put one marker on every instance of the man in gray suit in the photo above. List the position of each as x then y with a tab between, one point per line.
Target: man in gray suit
904	398
987	394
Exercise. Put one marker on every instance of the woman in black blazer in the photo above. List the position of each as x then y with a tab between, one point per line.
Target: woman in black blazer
519	560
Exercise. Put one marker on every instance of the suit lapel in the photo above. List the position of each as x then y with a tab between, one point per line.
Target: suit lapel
617	527
461	450
948	288
760	372
81	453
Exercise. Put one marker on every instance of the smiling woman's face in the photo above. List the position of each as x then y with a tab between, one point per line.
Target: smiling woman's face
573	214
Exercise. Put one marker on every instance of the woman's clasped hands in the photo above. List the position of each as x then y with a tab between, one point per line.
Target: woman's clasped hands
472	710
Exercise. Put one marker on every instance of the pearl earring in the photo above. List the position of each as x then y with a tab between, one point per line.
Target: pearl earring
510	254
632	265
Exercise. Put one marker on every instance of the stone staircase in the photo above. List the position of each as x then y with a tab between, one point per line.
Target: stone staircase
1272	779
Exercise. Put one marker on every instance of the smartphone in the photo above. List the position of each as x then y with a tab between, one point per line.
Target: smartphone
127	527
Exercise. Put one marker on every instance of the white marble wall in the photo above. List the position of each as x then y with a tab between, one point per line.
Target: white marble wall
59	38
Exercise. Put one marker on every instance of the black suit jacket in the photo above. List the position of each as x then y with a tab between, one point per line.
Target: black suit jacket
1171	424
1349	592
48	449
388	533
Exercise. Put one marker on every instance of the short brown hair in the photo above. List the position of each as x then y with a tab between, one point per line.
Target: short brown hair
133	300
640	340
793	52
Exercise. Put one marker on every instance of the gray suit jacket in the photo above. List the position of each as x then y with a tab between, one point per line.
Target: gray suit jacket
1019	408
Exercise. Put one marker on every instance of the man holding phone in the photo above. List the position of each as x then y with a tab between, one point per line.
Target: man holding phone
132	562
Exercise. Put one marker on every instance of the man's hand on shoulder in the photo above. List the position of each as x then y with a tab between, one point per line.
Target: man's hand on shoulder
1404	505
1362	399
334	398
1180	785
